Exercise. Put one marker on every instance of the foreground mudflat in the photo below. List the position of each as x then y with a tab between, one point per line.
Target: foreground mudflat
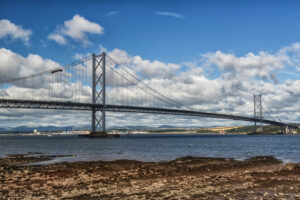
184	178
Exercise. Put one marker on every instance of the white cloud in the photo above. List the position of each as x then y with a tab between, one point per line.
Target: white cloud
261	65
57	86
13	65
9	64
77	29
112	13
170	14
146	68
293	53
156	68
102	48
78	56
9	29
57	38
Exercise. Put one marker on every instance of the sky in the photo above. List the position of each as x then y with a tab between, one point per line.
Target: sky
212	55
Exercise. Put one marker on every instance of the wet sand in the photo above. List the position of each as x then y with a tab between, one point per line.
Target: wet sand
183	178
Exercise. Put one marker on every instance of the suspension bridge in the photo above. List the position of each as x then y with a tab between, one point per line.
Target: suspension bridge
99	84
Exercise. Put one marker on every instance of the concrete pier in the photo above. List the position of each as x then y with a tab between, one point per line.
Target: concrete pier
99	134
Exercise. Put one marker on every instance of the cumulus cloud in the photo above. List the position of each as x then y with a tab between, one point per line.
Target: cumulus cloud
77	29
155	68
57	38
146	68
260	65
10	30
170	14
13	65
51	86
293	53
263	65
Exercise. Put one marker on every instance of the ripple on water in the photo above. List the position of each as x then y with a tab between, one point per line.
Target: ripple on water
154	147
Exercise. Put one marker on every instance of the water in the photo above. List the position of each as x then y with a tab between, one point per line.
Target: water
154	147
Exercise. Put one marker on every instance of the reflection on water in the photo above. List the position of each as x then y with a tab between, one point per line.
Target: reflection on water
154	147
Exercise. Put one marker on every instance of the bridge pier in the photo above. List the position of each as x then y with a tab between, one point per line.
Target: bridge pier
281	130
285	129
258	113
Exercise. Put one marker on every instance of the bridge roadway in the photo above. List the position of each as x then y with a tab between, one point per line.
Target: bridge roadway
33	104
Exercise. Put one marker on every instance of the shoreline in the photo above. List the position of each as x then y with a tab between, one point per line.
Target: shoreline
185	177
41	159
194	133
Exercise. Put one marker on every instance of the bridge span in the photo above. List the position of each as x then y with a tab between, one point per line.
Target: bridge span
31	104
102	85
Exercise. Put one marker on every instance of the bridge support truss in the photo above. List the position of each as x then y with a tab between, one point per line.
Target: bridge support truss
98	92
258	112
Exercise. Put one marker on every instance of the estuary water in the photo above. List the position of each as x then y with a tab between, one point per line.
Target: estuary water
153	147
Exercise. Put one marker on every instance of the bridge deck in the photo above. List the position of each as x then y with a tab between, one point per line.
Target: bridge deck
8	103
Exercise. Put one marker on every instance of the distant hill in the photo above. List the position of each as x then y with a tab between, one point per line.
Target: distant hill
63	128
3	129
180	127
86	127
39	128
167	126
131	127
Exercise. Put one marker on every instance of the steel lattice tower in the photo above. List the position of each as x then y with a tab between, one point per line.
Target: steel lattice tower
98	92
258	111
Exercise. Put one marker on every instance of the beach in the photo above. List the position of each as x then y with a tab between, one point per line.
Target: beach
183	178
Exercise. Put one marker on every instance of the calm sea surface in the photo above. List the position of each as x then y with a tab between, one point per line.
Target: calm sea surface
154	147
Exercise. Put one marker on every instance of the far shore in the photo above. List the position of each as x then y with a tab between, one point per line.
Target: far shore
168	130
186	132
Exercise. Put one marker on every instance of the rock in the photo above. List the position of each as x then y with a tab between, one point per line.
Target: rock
289	166
265	194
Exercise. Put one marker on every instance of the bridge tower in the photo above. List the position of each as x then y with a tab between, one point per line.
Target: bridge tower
258	111
98	93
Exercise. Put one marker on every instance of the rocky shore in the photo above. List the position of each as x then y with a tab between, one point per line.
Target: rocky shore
183	178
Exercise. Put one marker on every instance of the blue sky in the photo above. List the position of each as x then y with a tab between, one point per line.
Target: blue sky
210	55
206	26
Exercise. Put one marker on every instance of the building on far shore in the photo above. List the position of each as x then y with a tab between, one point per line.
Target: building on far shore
36	132
220	129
